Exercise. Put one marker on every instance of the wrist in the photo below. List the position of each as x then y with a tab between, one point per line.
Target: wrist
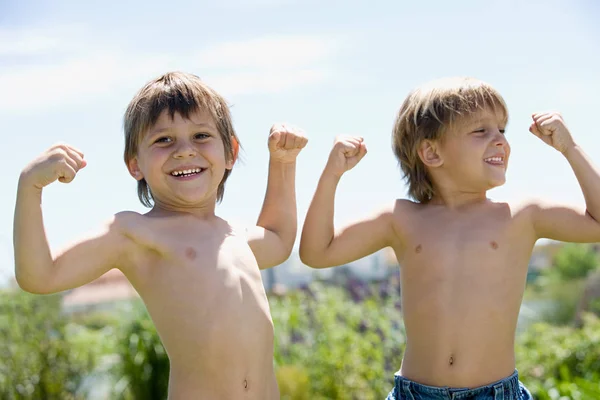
332	176
283	162
27	184
571	150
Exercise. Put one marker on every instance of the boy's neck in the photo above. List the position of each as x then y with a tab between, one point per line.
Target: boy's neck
456	199
201	212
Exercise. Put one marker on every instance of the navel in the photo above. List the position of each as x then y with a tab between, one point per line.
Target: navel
418	249
190	253
246	384
494	245
451	361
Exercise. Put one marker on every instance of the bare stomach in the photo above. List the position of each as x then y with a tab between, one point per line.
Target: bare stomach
467	354
230	383
234	363
225	353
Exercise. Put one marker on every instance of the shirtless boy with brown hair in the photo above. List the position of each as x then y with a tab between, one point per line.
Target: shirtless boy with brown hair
463	257
197	276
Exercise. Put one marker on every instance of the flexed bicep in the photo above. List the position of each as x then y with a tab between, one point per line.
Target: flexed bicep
76	264
565	223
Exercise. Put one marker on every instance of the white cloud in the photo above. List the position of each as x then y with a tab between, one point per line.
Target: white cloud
26	45
69	82
264	81
40	41
252	66
270	53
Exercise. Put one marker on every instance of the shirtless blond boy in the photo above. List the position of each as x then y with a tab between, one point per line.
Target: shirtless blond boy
463	257
198	277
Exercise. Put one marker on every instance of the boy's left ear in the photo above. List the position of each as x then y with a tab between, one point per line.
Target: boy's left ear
235	149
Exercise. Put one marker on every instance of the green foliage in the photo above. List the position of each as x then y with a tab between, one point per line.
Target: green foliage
561	286
143	370
345	341
37	360
561	362
293	382
574	261
562	298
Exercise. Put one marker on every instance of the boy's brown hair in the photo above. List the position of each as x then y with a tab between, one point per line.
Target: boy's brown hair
182	93
427	114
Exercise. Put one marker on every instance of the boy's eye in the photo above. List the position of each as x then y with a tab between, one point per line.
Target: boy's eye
163	139
201	135
502	131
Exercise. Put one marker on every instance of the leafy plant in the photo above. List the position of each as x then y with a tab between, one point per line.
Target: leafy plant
37	360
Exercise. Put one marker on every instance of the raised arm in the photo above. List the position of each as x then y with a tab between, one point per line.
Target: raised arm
320	245
273	237
566	223
36	269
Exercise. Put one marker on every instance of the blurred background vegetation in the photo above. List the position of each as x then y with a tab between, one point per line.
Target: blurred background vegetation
333	341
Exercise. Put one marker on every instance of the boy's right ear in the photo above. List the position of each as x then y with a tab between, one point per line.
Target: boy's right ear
429	154
235	150
134	169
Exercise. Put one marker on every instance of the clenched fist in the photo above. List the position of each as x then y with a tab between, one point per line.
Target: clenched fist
550	127
60	162
346	153
286	142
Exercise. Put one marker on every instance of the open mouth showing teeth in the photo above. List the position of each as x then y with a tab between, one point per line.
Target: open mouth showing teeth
495	160
187	172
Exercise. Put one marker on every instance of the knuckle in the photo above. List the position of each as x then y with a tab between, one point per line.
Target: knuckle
61	146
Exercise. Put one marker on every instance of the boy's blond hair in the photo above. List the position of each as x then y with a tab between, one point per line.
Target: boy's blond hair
182	93
427	114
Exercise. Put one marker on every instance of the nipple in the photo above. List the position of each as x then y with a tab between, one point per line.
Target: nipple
190	253
494	245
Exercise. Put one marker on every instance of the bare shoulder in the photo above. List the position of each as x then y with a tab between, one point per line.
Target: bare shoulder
405	207
395	211
521	215
527	208
402	213
128	224
127	229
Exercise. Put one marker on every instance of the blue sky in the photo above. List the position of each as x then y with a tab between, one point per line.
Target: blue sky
68	70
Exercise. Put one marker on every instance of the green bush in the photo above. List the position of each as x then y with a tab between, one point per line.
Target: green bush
37	360
561	362
562	298
574	261
345	341
143	370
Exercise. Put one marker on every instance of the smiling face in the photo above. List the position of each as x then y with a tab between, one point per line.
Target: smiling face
175	103
183	161
459	118
475	152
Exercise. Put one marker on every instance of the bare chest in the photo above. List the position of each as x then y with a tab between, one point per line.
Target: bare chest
490	243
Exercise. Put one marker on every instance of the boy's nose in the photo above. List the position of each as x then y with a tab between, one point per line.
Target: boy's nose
185	150
500	139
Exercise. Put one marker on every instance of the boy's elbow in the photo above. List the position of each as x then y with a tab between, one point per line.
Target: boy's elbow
311	260
283	256
33	286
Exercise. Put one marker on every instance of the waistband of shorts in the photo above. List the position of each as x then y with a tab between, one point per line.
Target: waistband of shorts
509	386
